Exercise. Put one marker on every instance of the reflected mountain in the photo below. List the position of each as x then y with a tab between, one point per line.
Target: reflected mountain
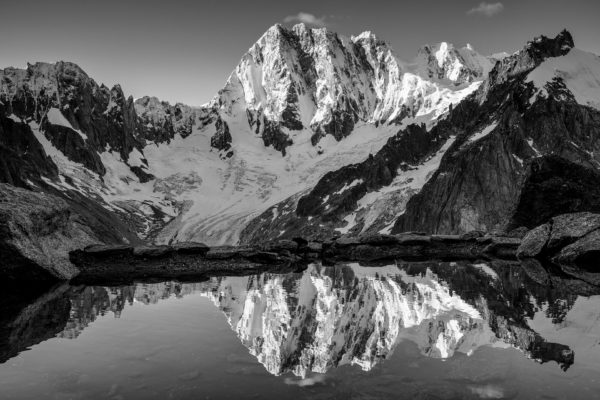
326	317
330	316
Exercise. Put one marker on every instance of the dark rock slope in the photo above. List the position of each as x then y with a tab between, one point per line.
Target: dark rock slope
38	230
509	151
570	241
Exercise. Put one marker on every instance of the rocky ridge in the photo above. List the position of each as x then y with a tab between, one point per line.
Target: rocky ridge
522	136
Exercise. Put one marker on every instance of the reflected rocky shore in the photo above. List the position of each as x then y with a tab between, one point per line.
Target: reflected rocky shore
327	316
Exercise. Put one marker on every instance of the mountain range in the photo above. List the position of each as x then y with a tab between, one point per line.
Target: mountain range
314	135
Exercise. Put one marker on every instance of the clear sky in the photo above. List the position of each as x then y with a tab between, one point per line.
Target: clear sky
184	50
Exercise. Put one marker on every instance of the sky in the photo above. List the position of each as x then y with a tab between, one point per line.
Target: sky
184	50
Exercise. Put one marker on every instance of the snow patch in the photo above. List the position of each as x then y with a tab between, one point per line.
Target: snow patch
580	72
136	159
350	223
349	185
482	133
56	117
15	118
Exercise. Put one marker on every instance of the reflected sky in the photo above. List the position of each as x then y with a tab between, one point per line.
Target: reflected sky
418	330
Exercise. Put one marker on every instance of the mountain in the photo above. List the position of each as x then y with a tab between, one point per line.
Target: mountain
521	148
301	102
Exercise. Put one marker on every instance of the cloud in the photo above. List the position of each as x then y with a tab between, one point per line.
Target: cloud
306	18
487	9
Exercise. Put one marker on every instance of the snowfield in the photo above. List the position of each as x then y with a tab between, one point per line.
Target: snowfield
580	72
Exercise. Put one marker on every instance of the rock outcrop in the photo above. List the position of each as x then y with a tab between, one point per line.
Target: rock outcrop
38	230
124	263
571	241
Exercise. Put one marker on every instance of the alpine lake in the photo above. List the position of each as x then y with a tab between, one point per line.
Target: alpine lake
415	330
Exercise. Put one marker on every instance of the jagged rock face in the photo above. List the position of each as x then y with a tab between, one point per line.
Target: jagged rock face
221	140
301	78
476	169
61	130
21	155
76	115
461	65
161	121
571	241
528	125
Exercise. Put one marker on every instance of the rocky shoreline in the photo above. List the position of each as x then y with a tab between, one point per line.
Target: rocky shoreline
193	260
568	243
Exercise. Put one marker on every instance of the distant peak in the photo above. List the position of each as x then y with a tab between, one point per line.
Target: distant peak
366	35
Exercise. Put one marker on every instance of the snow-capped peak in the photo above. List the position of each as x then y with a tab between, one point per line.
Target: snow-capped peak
366	35
458	65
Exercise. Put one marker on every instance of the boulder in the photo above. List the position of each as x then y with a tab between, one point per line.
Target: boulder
37	232
534	242
584	253
103	250
152	251
567	228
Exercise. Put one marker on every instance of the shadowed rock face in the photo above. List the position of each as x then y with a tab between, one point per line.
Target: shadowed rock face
38	230
482	186
21	155
555	186
105	115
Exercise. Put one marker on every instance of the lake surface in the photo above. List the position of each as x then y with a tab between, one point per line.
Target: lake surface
426	330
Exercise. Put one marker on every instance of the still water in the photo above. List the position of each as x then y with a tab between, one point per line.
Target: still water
425	330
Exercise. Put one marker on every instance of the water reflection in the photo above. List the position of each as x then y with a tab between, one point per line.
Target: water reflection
326	317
